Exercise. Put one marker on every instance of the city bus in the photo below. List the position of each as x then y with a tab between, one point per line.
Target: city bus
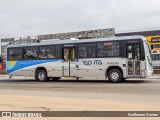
2	67
154	42
115	58
156	62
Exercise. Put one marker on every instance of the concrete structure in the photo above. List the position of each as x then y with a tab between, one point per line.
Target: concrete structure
100	33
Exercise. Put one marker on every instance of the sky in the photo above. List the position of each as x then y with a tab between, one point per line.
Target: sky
20	18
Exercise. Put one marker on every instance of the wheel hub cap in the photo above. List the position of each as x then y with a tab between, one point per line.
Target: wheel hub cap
114	76
41	76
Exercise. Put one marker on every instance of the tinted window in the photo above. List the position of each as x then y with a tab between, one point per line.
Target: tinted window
47	52
137	52
108	49
30	53
14	53
87	50
58	52
156	57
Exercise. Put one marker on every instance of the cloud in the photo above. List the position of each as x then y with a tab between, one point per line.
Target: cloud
34	17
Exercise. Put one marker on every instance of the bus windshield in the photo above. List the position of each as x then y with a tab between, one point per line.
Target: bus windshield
156	46
156	56
148	51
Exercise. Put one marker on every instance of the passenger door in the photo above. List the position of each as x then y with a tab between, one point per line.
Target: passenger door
134	60
69	67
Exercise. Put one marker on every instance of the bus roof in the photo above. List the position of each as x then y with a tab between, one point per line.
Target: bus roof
69	41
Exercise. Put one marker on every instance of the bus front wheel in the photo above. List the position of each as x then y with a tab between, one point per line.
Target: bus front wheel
115	76
41	76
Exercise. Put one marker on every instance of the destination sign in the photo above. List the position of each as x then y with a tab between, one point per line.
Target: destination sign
157	39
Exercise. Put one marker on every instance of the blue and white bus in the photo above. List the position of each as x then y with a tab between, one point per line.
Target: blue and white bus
115	58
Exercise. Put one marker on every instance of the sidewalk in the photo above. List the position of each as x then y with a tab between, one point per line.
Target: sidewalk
155	76
1	75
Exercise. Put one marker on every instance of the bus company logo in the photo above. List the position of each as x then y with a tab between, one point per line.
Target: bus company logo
95	62
6	114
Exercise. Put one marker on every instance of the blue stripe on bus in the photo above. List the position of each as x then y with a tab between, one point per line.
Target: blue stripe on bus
13	66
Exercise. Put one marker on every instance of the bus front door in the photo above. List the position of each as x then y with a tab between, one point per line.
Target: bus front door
69	67
133	60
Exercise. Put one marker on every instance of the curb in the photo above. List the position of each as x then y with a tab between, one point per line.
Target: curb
1	75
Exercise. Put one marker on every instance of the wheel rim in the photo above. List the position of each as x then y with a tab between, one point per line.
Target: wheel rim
114	76
41	76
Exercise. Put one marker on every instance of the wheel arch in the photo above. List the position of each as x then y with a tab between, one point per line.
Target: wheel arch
113	67
40	68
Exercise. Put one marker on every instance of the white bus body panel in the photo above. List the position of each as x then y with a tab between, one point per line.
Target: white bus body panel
82	68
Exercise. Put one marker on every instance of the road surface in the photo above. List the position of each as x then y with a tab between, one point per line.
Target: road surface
20	94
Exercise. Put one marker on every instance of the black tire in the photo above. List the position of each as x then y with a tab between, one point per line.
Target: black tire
56	78
124	79
49	78
115	76
41	76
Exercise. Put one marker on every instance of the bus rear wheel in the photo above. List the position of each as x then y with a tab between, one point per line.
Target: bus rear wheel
115	76
41	76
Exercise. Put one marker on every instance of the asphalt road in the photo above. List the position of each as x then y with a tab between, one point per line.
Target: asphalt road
136	94
130	86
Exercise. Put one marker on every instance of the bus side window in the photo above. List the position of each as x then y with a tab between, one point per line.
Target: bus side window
58	53
87	50
137	52
46	52
108	49
31	53
130	53
14	53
